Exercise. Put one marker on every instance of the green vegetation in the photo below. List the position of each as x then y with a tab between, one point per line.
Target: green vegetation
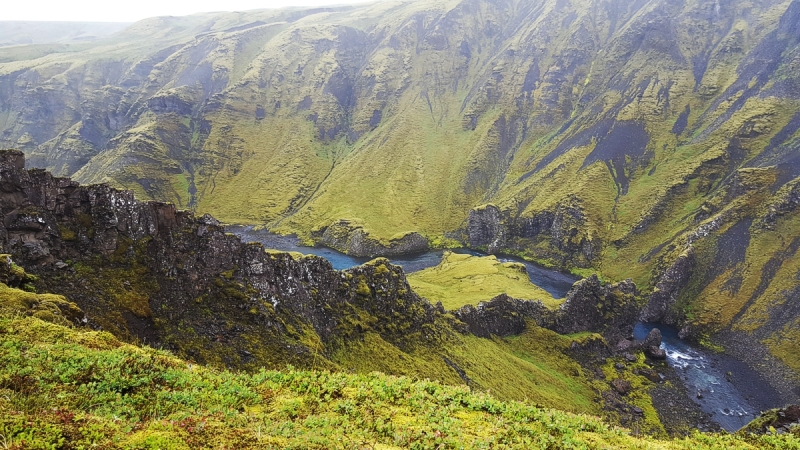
462	279
610	142
533	366
64	387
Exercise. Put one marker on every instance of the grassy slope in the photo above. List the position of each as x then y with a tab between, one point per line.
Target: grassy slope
536	366
423	166
467	280
66	387
532	366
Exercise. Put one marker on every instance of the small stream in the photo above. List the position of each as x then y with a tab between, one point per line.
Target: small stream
705	378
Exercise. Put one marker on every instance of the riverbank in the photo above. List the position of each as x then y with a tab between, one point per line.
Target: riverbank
696	391
555	282
723	387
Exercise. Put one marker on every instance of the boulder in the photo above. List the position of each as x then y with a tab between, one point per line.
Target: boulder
623	387
656	352
653	338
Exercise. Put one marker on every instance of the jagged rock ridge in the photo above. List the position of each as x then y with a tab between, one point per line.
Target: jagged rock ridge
604	136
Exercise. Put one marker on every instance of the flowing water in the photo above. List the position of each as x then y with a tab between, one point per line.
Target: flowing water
701	370
705	378
555	283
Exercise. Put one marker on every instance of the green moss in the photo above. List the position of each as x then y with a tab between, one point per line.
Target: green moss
462	279
67	234
114	395
48	307
363	288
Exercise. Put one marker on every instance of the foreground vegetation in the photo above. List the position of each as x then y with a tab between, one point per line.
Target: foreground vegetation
62	387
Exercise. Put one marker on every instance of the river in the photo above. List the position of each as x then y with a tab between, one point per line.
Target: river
554	282
703	372
708	376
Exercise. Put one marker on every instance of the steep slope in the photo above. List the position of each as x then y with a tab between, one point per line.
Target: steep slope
149	273
116	395
655	140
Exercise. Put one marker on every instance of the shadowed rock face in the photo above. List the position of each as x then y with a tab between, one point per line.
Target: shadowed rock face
354	241
147	271
608	136
554	235
503	316
661	302
610	310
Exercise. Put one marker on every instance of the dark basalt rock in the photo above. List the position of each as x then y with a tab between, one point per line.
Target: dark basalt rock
650	374
610	310
483	226
558	235
354	241
659	305
653	338
623	387
187	281
502	316
655	352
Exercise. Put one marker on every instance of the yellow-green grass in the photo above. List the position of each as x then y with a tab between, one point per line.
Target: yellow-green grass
531	366
462	279
60	386
48	307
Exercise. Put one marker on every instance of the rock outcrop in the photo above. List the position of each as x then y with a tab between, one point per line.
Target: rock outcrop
559	236
610	310
150	272
776	421
354	241
503	316
660	303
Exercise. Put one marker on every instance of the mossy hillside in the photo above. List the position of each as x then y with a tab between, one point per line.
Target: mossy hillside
462	279
159	146
420	119
533	366
277	179
416	189
453	117
115	395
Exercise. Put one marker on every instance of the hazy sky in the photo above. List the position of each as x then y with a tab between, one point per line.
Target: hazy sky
133	10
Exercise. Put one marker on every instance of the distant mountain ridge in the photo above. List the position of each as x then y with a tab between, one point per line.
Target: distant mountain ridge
654	140
26	32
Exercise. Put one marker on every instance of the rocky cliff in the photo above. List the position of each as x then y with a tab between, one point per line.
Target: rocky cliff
148	271
610	310
595	136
